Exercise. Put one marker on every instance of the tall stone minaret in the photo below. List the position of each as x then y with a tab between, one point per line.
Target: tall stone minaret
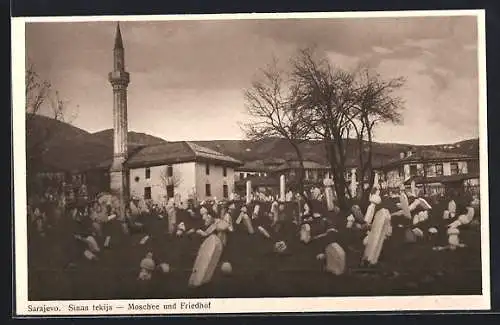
119	79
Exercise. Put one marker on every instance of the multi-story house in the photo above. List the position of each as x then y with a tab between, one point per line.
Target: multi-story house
432	171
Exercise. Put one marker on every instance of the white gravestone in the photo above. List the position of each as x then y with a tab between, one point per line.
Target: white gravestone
376	180
282	188
414	204
335	259
354	183
377	236
328	184
403	205
413	188
147	267
453	238
206	261
249	192
452	208
329	198
177	200
350	221
374	201
356	212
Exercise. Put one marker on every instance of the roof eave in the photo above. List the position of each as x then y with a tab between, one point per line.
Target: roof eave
139	164
410	161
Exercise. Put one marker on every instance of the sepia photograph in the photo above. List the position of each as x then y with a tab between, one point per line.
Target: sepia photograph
186	159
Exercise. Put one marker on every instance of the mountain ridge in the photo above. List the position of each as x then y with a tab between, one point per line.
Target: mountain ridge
88	148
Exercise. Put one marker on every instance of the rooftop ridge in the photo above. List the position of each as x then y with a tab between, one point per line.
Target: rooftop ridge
197	148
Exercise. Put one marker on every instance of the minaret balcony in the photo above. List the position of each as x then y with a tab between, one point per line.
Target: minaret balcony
121	78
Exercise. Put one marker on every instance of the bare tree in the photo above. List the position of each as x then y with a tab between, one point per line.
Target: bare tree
375	103
271	105
344	108
338	107
327	94
37	91
170	180
41	99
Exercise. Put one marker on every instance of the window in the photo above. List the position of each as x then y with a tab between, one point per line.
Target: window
401	172
242	175
225	191
148	173
170	191
208	190
439	170
430	170
413	170
170	171
147	193
454	168
224	171
207	169
473	166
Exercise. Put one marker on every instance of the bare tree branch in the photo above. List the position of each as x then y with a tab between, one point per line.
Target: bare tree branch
41	99
275	112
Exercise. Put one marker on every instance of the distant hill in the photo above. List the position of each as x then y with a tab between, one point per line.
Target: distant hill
69	147
64	146
134	138
72	146
313	150
40	126
467	147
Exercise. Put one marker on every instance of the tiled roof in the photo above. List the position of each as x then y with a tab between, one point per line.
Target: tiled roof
176	152
442	179
106	163
203	152
254	166
259	181
308	164
428	155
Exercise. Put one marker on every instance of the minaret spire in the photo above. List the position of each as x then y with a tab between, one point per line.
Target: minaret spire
118	37
118	51
119	80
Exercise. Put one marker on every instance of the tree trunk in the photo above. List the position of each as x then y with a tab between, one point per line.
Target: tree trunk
301	174
424	163
337	167
368	167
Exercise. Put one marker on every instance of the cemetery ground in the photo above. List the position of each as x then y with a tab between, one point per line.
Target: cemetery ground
403	268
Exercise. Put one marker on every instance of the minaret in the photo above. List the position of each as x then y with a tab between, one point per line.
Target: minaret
119	79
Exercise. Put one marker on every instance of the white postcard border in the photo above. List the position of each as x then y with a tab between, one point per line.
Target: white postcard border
24	307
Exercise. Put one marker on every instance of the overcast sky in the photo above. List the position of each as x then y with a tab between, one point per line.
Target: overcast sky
188	77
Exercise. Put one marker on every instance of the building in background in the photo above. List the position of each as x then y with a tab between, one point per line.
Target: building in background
433	172
180	168
161	171
314	172
256	168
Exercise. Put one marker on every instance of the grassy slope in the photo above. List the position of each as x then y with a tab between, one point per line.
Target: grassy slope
405	269
83	148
